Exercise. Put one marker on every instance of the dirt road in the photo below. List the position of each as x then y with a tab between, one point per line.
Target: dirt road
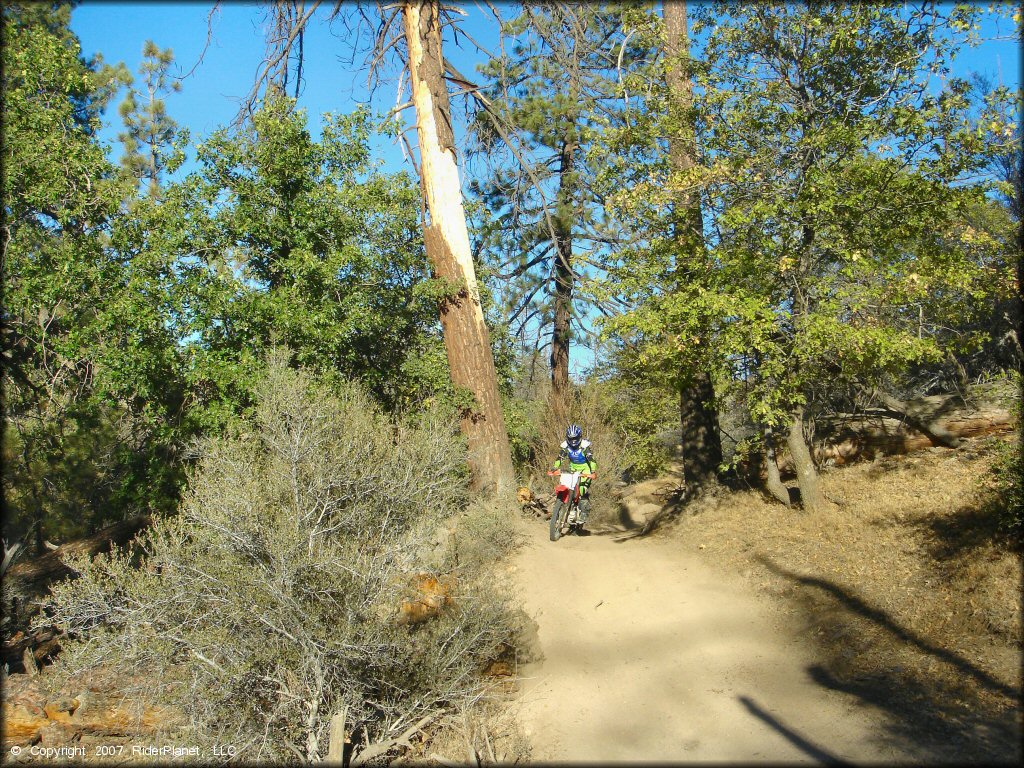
652	655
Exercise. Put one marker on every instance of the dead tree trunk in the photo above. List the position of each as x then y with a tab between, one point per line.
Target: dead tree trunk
701	438
467	340
25	582
811	496
919	420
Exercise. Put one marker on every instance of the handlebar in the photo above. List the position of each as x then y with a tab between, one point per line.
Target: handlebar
582	474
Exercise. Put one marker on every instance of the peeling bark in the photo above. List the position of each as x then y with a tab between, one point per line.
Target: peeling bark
446	239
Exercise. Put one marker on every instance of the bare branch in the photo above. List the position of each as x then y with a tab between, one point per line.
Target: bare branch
474	91
381	47
206	45
272	62
381	748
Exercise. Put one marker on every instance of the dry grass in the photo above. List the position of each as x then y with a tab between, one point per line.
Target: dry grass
913	605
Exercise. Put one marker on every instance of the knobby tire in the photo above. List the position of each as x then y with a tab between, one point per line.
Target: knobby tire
557	517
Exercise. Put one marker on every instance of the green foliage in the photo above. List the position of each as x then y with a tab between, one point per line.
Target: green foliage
522	431
90	378
644	413
280	239
835	186
271	601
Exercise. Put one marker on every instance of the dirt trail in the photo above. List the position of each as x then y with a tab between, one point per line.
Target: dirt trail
650	654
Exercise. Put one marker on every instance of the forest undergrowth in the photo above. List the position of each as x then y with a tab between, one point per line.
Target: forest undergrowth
327	562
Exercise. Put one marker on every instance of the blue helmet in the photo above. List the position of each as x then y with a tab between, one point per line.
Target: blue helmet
573	436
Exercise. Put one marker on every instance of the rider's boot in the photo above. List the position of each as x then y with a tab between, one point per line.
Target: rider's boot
584	507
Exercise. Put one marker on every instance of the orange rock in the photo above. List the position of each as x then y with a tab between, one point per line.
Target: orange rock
61	710
429	597
21	726
499	669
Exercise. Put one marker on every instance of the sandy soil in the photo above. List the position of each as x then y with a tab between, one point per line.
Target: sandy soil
650	653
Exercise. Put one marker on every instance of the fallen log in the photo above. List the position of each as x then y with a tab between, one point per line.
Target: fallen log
842	440
30	717
27	581
922	415
29	650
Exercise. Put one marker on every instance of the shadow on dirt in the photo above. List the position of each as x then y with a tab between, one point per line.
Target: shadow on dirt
626	521
977	720
625	526
807	747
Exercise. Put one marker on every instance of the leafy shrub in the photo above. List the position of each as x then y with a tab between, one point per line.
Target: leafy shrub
271	601
522	430
649	416
1008	473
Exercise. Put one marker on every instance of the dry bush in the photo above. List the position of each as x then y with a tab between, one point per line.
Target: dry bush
482	534
487	734
609	449
271	601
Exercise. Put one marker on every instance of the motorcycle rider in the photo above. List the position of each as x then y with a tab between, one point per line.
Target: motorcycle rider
575	452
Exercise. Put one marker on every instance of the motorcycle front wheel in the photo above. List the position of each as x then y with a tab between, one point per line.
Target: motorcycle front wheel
557	518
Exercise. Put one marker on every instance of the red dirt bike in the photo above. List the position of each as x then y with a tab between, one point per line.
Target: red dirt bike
565	515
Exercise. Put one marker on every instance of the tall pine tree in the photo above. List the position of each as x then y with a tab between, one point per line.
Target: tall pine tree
551	93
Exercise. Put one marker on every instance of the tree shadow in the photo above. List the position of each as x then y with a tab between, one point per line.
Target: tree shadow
629	528
882	619
622	523
807	747
625	519
968	529
678	503
922	712
935	727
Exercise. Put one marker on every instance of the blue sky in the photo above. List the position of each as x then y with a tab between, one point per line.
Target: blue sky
210	95
222	76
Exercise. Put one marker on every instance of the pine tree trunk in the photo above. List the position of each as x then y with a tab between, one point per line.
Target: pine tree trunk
701	442
563	280
467	340
701	438
773	484
811	496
